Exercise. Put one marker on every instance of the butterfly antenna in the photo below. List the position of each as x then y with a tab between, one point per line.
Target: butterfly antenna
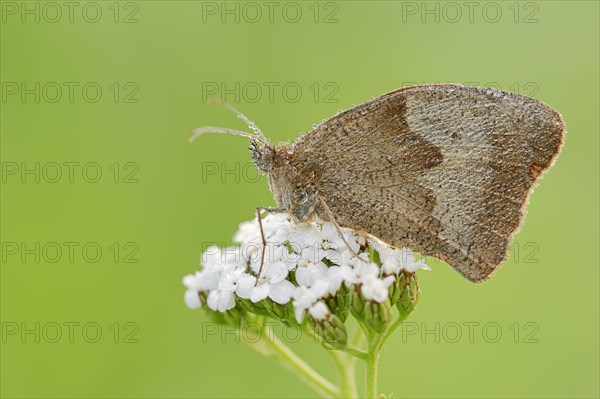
253	126
213	129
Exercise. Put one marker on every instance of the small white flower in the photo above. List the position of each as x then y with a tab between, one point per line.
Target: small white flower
305	297
281	292
329	232
204	280
260	292
276	272
229	279
307	276
304	235
366	269
273	285
375	289
408	262
281	254
390	257
192	299
331	236
320	288
226	301
273	256
312	253
346	258
319	311
247	232
335	279
212	300
245	286
349	275
221	301
192	281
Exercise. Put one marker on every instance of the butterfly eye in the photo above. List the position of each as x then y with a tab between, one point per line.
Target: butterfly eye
263	156
267	156
255	152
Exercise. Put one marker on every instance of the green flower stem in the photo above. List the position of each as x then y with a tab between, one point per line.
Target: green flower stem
394	326
346	365
296	364
376	342
372	365
347	368
356	352
365	330
345	360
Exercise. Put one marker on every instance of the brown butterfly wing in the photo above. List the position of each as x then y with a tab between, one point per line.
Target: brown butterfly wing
445	170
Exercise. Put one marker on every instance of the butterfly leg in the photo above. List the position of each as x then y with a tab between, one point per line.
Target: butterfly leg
337	226
259	210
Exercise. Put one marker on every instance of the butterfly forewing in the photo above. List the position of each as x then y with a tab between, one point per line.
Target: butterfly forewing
445	170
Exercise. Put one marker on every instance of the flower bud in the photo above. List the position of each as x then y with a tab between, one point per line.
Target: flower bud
332	330
275	310
327	326
374	314
377	315
356	301
283	313
409	292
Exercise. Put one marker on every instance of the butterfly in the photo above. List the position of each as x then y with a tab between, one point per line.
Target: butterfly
445	170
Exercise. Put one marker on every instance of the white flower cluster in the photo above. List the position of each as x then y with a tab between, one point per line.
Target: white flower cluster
302	262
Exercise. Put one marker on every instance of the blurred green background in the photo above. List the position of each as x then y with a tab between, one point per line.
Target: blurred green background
116	88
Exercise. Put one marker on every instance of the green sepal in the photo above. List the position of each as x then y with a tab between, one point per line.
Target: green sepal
338	303
257	308
394	291
356	302
374	256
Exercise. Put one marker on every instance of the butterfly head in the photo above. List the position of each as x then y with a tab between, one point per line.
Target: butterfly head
263	155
